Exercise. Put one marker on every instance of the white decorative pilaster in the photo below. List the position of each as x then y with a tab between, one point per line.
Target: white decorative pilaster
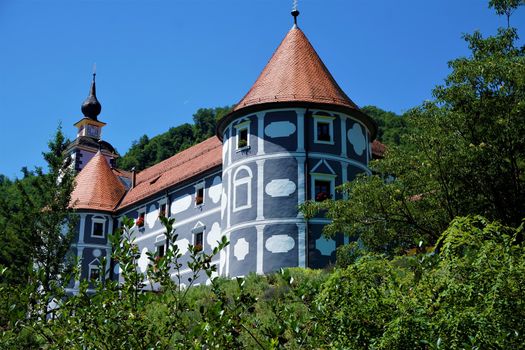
368	145
344	176
80	254
343	136
82	228
260	248
301	183
300	129
301	235
230	145
229	200
260	189
260	133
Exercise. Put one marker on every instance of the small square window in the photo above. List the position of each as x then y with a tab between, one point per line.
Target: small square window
163	211
323	190
98	229
198	241
161	250
199	194
94	273
242	137
323	131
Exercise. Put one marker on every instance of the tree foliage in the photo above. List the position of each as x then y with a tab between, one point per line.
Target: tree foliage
146	152
464	153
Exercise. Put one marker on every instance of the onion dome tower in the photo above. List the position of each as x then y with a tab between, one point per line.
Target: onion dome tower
295	136
88	141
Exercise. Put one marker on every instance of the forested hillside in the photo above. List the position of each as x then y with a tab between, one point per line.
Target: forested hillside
148	151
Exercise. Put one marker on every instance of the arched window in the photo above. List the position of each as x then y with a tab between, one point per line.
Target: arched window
242	188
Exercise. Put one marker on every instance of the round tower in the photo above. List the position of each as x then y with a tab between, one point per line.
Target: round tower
295	136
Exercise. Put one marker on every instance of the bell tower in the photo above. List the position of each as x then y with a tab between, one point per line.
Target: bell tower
89	129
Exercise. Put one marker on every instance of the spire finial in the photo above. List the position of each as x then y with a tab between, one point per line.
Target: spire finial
295	12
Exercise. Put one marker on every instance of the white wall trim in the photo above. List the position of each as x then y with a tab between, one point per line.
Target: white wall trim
260	248
300	129
344	140
260	189
301	237
263	222
260	133
82	228
301	183
242	181
179	223
312	155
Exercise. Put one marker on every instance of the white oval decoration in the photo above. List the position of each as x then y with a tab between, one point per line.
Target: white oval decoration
96	253
151	216
214	235
325	245
279	129
280	243
181	204
280	188
143	260
116	269
183	245
241	249
357	139
214	192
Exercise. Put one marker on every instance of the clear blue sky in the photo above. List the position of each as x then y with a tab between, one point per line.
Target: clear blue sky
158	61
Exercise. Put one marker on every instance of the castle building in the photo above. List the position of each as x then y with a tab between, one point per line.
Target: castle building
295	136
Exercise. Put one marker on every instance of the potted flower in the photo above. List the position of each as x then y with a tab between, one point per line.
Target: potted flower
242	143
199	200
322	196
198	247
140	221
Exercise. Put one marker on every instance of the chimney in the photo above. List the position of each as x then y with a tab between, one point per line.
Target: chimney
133	177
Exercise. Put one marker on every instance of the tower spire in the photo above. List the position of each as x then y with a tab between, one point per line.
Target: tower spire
91	107
295	12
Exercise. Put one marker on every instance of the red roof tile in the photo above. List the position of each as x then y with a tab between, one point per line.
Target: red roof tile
180	167
97	188
296	74
378	149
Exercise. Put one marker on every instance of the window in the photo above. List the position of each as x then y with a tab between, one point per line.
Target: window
161	250
242	188
98	229
243	132
94	273
322	187
98	226
198	241
140	220
322	190
324	129
199	194
162	210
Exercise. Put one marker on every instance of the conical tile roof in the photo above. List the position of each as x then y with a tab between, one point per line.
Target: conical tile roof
97	187
296	75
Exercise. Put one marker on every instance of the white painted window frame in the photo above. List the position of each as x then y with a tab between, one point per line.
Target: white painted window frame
95	265
160	241
97	219
198	186
324	119
322	177
238	182
198	229
238	128
164	201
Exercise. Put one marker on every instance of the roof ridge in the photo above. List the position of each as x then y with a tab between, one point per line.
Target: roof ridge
176	164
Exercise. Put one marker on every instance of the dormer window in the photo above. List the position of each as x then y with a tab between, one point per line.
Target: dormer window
323	129
243	135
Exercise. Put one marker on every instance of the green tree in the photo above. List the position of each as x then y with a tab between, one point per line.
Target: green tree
506	7
464	154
